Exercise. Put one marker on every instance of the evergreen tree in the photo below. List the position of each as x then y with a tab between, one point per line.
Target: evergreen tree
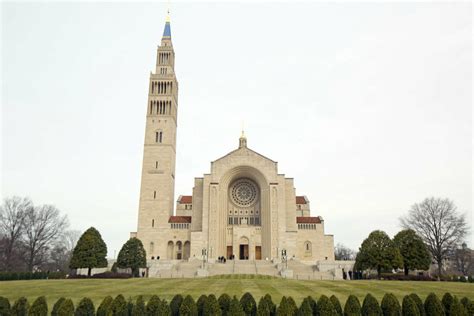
39	307
188	307
337	305
85	308
164	308
313	304
21	307
132	256
409	307
139	307
352	306
211	307
433	306
5	308
271	305
263	308
90	252
413	250
104	306
248	304
130	306
284	309
419	303
153	306
370	306
390	305
447	300
224	303
175	304
200	304
292	305
235	309
119	306
378	252
66	308
305	308
470	308
465	302
456	308
325	307
54	311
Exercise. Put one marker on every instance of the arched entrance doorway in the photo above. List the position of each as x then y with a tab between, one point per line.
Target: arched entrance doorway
244	248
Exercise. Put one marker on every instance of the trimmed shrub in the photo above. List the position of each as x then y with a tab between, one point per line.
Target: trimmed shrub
21	307
224	303
188	307
419	303
292	305
85	308
352	306
324	307
119	306
54	311
129	306
305	309
447	300
337	305
104	306
66	308
164	308
284	309
271	305
465	302
313	304
200	304
248	304
39	307
176	304
235	309
456	308
211	307
390	305
5	308
470	308
409	307
370	306
138	308
263	308
153	306
433	306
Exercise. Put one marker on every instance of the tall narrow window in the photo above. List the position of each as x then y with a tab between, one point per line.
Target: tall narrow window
154	194
158	137
152	223
156	165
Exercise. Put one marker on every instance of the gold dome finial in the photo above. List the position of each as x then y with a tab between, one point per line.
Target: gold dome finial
243	133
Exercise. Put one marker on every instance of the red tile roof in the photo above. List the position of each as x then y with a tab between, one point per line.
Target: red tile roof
308	220
301	199
179	219
185	199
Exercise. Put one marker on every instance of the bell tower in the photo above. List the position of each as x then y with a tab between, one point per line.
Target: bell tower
159	154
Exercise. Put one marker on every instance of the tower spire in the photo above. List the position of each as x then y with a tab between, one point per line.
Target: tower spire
242	139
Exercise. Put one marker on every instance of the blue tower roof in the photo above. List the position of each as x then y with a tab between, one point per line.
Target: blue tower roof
167	31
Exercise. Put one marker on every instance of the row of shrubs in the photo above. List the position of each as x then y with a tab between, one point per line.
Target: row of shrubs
410	277
10	276
411	305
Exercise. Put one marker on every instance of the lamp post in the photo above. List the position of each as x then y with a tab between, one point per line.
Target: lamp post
204	255
284	258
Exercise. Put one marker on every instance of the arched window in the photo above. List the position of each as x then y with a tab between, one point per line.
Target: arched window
308	249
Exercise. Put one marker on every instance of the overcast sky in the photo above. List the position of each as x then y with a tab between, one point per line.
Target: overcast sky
366	105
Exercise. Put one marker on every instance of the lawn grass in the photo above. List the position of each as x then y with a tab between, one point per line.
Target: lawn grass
97	289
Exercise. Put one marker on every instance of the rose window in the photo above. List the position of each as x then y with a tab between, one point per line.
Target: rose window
244	193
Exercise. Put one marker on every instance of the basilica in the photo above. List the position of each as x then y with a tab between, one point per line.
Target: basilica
244	209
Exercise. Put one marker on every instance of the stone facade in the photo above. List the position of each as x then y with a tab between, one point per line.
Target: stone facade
243	209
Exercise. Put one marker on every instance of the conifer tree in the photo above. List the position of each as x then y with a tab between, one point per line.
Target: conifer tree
153	306
313	304
21	307
132	256
85	308
200	303
419	303
164	308
305	308
447	300
409	307
139	307
211	307
104	307
283	308
119	306
352	306
235	309
5	308
248	304
390	305
325	307
188	307
66	308
292	305
337	305
39	307
413	250
224	303
370	306
433	305
175	304
54	311
456	308
90	251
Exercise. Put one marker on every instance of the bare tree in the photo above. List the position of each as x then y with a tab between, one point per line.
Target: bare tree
342	252
43	224
440	226
60	254
463	260
12	218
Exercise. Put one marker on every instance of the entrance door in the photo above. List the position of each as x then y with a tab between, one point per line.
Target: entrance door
229	252
244	252
258	252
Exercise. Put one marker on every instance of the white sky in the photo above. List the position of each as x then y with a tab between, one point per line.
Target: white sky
366	105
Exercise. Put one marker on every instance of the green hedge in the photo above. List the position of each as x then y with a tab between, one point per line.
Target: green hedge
14	276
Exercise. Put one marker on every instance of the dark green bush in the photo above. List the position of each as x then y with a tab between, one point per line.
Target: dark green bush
324	307
292	304
104	306
54	311
188	307
263	308
419	303
224	303
248	304
352	306
138	308
11	276
153	306
284	308
200	303
470	308
235	308
313	304
456	308
211	307
337	305
164	308
130	306
447	300
370	306
176	304
5	308
390	305
409	307
21	307
465	302
119	306
66	308
39	307
433	306
305	308
85	308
